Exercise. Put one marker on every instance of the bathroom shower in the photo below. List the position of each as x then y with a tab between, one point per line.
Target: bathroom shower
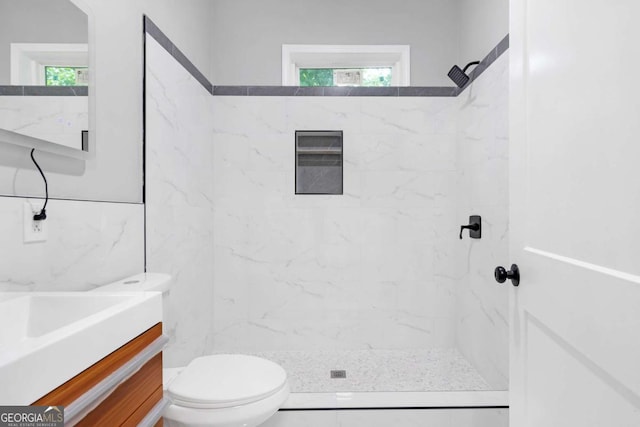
459	76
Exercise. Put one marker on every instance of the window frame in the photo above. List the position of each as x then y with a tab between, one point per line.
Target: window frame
296	56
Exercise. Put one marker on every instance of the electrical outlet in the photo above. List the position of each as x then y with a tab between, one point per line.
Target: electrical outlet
34	231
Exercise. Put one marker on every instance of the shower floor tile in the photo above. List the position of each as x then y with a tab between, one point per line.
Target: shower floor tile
378	370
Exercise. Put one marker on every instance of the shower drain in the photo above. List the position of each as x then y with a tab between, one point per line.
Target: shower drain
339	373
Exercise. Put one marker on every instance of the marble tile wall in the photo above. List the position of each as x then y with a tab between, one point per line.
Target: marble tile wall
89	244
385	418
179	200
59	119
366	269
482	304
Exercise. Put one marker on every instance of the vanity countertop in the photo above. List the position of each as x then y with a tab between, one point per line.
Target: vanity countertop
46	338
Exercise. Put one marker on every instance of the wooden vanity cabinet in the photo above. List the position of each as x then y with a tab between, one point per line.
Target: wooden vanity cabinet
131	400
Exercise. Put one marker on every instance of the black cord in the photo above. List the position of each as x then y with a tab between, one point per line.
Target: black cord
43	213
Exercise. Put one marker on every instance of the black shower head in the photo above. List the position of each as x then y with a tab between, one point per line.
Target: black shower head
459	76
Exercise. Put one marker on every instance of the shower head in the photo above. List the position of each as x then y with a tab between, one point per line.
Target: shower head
459	76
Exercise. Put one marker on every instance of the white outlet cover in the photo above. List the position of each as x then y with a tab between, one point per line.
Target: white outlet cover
34	231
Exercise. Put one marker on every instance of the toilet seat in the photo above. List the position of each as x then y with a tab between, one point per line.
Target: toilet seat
226	380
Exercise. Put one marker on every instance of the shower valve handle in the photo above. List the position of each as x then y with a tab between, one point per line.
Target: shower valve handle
474	227
501	274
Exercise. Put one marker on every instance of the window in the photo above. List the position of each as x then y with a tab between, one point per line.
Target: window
50	64
345	65
345	76
65	76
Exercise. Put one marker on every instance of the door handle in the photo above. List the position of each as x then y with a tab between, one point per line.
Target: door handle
501	274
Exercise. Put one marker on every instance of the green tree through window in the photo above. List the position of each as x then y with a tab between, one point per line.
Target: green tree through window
316	77
324	76
61	76
376	77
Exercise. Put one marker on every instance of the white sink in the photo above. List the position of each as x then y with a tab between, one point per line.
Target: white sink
46	338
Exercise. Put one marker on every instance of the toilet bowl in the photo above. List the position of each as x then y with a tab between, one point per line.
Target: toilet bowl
221	390
225	390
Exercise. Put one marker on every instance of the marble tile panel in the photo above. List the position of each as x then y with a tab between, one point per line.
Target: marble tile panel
89	244
399	417
58	119
426	417
257	116
404	152
318	113
312	271
407	115
407	189
303	418
482	305
179	200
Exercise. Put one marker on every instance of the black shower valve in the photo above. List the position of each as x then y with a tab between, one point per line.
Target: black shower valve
474	227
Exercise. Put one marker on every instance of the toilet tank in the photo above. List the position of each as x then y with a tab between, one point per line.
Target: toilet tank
144	282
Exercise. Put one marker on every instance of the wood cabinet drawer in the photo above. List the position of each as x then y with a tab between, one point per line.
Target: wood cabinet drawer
131	400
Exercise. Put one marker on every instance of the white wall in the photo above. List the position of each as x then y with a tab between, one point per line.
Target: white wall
483	143
248	34
179	195
481	25
367	269
115	174
38	21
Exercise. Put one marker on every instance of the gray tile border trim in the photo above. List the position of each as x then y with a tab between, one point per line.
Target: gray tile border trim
394	91
271	90
495	53
44	91
309	91
192	69
360	91
152	29
56	91
422	91
428	91
503	46
230	90
11	90
409	91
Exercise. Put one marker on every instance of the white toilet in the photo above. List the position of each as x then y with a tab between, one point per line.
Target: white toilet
226	390
222	390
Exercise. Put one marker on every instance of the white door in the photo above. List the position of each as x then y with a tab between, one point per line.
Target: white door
575	195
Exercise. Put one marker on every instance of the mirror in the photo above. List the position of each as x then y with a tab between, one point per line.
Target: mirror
45	78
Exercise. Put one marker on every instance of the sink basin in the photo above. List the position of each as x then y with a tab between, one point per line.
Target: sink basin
36	315
46	338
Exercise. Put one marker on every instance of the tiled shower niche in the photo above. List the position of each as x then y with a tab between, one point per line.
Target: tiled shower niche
319	162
